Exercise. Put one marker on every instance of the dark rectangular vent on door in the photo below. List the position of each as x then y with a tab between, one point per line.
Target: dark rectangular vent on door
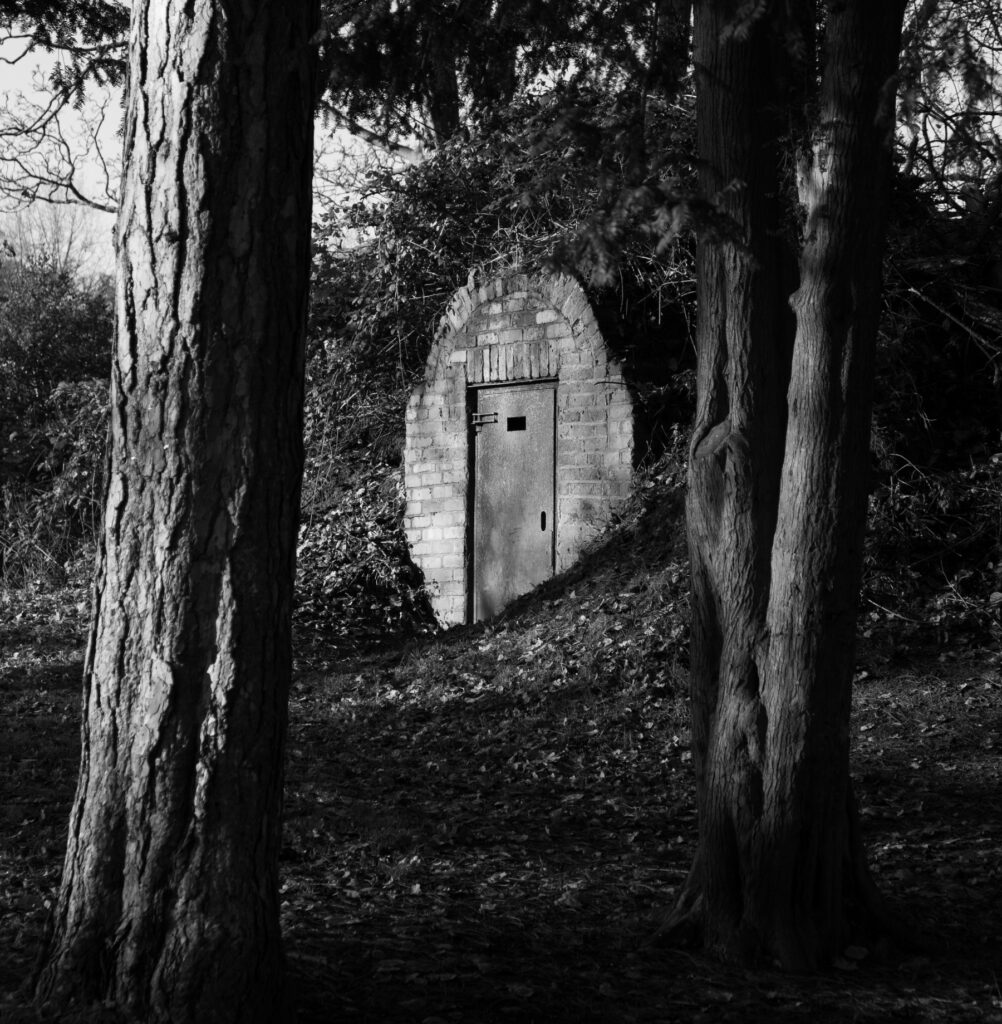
516	423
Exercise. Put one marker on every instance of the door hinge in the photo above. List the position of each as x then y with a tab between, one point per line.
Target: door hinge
480	418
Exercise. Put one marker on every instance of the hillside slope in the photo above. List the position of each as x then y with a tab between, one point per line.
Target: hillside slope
486	824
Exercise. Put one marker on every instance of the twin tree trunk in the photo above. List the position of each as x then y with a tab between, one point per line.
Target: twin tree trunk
169	899
779	464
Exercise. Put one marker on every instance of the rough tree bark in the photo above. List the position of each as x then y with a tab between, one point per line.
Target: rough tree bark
169	898
778	467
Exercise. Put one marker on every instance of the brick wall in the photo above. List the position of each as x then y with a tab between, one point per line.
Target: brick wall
517	328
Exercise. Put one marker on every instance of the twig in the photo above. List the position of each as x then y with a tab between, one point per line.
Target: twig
896	615
985	346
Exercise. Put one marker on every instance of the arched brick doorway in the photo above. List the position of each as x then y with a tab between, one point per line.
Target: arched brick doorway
518	390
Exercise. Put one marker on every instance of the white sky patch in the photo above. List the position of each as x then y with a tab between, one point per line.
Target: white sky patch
78	146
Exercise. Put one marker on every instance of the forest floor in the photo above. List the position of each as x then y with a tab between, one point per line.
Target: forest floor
485	825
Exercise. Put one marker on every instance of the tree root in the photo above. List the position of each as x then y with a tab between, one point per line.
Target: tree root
682	925
870	920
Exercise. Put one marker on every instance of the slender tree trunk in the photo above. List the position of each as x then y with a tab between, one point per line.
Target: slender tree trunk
443	87
169	903
778	465
671	42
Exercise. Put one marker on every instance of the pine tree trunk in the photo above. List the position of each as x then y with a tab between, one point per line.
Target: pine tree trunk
777	480
169	898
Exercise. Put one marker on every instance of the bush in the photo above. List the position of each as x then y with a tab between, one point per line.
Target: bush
54	327
55	335
934	557
53	483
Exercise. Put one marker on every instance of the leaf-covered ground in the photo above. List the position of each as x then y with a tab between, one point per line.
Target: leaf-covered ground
485	825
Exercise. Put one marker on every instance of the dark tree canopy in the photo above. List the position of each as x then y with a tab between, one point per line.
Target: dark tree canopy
430	69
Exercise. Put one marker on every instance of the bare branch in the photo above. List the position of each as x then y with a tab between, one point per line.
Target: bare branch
56	153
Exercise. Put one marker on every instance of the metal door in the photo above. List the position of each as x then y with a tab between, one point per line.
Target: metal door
513	513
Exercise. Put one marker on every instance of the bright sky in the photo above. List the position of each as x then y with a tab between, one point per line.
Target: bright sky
23	84
339	154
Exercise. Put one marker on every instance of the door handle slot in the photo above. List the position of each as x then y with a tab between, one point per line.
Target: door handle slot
542	520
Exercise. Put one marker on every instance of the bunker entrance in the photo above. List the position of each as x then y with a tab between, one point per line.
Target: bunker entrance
519	443
513	439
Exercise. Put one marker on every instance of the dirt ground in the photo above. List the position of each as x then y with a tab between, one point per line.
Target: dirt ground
485	826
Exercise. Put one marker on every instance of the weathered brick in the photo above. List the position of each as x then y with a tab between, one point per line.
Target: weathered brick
519	367
449	519
454	439
585	489
580	474
570	455
576	373
574	306
547	316
532	356
552	359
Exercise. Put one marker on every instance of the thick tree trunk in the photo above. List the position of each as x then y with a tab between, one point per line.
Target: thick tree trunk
778	464
169	899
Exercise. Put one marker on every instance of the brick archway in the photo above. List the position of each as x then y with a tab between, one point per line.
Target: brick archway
517	328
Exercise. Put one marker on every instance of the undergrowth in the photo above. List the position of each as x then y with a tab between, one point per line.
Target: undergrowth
934	558
53	463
